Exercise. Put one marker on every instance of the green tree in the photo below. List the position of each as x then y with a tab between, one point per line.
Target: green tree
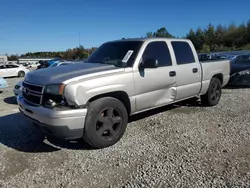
205	48
195	40
149	34
200	40
230	36
162	32
13	57
210	37
241	36
248	32
219	37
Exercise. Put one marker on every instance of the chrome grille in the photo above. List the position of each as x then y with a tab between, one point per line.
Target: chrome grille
32	93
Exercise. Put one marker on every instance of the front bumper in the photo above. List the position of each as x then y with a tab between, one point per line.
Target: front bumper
64	124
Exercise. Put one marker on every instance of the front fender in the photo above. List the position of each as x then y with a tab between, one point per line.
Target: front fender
80	93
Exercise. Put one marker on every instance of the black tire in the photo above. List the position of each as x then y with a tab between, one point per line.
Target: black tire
21	74
213	95
101	129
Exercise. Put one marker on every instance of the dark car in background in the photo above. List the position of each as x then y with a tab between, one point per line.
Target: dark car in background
240	70
43	64
203	56
211	56
239	63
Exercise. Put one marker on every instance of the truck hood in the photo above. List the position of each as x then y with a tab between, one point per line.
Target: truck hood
67	73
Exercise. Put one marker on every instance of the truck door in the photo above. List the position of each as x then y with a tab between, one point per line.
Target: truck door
188	70
155	86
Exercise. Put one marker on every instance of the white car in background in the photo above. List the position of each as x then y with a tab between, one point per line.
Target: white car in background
13	70
33	65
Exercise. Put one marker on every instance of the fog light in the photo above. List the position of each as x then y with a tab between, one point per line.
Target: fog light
62	103
51	103
17	87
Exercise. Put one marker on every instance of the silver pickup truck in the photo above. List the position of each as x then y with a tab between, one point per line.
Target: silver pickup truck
93	100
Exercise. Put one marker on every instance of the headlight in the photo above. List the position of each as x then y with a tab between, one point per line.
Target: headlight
56	89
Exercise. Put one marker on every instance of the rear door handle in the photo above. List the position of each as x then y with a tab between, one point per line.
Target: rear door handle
195	70
172	73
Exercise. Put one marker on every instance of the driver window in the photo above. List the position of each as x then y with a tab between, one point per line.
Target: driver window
158	50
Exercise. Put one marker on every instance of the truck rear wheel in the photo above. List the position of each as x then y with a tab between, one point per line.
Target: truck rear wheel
106	122
213	95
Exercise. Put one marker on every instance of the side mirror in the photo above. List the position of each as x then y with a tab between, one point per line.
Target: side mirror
150	63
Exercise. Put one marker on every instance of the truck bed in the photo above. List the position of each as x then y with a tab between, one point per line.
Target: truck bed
221	68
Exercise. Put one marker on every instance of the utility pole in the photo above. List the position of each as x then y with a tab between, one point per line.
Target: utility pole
79	38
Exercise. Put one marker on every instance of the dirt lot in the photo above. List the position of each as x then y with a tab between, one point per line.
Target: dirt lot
180	146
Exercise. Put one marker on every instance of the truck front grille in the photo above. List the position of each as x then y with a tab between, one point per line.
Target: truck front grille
32	93
35	88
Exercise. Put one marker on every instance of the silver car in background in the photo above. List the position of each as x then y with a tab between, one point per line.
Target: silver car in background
61	63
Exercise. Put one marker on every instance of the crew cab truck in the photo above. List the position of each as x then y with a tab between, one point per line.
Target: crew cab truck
93	100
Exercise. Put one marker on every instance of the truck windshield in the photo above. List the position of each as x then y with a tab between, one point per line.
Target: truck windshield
120	54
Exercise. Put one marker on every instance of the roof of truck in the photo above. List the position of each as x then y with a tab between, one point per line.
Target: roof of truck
149	39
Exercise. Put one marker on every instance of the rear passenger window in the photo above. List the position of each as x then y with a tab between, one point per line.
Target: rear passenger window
158	50
183	52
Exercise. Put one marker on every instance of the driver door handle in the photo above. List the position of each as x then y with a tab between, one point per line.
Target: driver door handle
172	73
195	70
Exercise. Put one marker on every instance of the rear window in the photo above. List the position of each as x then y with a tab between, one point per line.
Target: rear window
183	52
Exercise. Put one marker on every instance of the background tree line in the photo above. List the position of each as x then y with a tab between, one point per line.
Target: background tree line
211	38
70	54
214	38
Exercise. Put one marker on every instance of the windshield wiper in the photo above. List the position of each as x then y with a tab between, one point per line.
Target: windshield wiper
118	64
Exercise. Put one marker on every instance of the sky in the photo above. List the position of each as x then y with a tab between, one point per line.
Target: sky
56	25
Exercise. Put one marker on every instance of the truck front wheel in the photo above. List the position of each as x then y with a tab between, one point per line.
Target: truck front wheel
212	97
106	122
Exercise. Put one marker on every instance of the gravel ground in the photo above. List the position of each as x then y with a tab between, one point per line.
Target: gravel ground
181	146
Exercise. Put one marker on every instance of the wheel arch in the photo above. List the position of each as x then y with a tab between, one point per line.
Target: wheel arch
219	76
120	95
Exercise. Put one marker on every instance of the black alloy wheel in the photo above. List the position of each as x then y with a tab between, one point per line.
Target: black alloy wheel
108	123
213	95
105	123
